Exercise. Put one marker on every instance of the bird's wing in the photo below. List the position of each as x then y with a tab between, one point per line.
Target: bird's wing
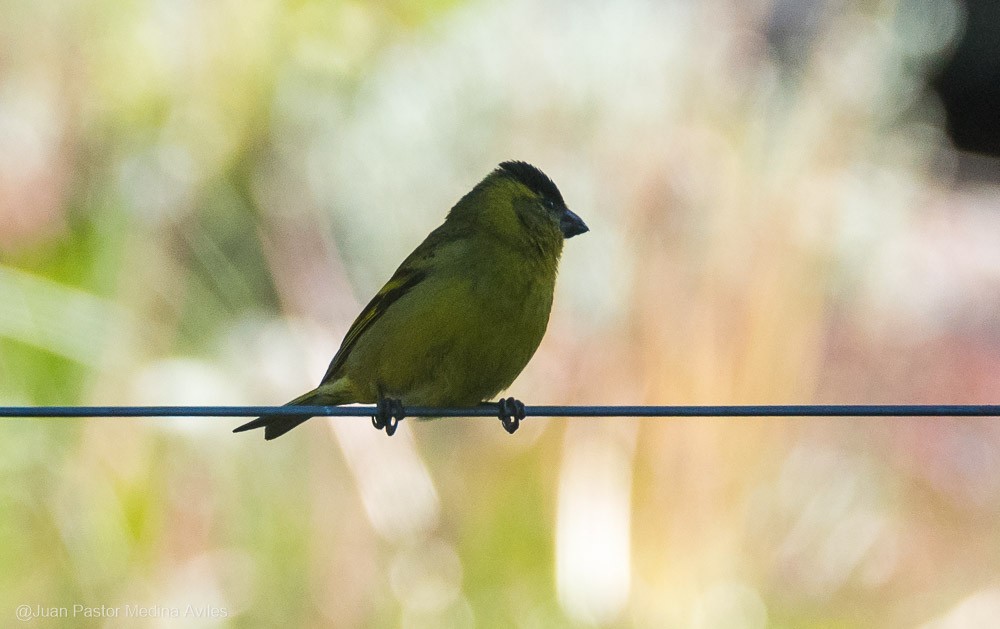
414	269
401	283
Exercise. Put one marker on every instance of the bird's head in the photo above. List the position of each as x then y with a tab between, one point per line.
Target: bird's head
518	202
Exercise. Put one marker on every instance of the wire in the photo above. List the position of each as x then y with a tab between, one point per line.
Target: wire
490	410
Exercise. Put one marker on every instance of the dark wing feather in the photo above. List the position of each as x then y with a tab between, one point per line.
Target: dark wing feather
401	283
414	269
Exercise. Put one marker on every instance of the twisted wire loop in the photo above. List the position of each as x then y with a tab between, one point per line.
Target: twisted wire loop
516	414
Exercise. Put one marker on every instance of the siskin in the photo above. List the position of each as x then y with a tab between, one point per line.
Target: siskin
463	313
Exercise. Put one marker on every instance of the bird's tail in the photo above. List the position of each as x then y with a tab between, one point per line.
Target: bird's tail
274	426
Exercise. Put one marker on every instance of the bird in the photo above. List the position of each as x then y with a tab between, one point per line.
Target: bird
462	315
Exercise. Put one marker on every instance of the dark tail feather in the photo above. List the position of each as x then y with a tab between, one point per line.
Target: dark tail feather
274	426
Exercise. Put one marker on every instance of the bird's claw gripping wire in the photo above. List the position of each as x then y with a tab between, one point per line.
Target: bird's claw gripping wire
511	412
389	414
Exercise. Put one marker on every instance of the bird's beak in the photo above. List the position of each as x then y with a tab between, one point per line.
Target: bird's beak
571	225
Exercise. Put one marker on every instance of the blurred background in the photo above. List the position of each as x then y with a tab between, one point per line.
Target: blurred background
196	198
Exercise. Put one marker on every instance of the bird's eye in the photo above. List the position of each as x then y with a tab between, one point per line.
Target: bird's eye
549	204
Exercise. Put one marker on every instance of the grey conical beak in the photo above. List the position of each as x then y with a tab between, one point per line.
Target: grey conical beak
571	225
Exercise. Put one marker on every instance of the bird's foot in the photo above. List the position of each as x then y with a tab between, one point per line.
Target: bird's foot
388	415
511	412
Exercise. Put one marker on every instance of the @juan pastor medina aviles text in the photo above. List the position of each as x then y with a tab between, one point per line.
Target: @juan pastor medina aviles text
29	612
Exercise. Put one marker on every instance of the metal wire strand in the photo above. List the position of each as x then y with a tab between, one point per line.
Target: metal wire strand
490	410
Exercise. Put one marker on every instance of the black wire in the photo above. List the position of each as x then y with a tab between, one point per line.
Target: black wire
490	410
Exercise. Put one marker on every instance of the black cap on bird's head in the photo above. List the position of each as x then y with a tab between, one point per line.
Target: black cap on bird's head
538	182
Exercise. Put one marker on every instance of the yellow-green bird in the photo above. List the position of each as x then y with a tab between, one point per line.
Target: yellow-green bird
463	313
